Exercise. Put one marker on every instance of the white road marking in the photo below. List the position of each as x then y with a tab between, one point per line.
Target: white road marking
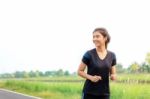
19	93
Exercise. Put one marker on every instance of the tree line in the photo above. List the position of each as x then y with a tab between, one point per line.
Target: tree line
136	67
133	68
31	74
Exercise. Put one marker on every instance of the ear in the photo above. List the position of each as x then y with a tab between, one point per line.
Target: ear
105	39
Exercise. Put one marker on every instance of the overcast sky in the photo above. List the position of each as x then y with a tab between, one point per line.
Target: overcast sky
52	34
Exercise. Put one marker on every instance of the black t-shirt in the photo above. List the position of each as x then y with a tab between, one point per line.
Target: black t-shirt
101	67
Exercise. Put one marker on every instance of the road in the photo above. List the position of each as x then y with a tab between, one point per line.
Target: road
6	94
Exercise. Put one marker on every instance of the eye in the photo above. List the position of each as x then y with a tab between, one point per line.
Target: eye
97	36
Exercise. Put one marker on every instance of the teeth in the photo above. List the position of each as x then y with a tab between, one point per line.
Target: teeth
95	42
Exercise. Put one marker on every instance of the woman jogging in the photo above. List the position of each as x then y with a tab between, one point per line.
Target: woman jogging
100	65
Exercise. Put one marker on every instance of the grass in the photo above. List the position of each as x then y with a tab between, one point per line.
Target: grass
72	90
137	76
46	90
130	91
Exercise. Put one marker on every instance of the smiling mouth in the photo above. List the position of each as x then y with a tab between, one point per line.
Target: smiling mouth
95	41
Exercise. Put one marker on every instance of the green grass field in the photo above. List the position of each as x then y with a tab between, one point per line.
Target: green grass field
45	89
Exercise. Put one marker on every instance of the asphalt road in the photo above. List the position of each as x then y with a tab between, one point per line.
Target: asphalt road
6	94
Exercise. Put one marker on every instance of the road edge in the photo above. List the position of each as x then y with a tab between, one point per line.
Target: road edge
19	93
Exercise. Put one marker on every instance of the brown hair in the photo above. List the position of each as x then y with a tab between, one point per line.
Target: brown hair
105	34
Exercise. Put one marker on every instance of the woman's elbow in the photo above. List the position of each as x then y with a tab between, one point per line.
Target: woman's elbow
79	73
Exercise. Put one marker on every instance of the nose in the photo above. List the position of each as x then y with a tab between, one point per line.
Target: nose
94	38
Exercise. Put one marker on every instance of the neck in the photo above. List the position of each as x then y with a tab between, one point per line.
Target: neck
101	49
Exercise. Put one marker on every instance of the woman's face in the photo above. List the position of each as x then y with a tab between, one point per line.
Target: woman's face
98	39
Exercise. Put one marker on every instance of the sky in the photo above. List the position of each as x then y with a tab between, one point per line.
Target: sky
54	34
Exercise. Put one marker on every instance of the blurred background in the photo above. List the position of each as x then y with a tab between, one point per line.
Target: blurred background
43	42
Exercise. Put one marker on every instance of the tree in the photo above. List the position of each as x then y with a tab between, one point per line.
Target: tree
50	73
32	74
41	74
134	68
60	72
66	73
18	74
147	59
144	68
6	75
25	74
119	68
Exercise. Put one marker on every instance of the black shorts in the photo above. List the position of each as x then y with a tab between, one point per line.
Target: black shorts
89	96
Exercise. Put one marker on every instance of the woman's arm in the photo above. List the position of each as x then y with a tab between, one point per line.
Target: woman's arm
113	73
81	73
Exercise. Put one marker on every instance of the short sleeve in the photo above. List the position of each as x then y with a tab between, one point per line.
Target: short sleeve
86	58
114	61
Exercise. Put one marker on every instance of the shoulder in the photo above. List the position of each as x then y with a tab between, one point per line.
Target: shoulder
90	52
112	54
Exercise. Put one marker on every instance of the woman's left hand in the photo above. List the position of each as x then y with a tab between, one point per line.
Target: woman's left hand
113	77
